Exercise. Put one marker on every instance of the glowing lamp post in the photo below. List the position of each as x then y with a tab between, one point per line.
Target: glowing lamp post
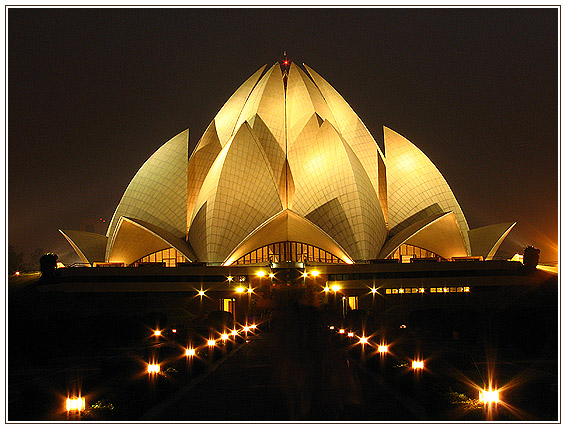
488	397
260	274
75	404
418	365
363	342
335	289
153	368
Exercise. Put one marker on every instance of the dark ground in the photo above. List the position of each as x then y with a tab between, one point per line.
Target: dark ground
294	368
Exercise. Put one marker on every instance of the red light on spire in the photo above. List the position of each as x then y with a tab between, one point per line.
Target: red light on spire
285	61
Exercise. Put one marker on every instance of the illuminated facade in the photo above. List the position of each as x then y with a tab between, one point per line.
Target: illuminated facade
286	171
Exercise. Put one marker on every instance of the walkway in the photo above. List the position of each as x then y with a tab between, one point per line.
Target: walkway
266	380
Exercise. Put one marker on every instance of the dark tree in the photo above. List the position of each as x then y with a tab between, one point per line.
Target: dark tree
15	260
530	257
48	265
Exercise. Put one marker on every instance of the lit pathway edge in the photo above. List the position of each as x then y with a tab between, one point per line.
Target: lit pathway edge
155	412
412	406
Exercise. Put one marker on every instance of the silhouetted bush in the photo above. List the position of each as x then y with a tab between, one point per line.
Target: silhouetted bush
48	265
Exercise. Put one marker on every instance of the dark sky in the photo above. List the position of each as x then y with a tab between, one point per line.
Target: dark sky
92	93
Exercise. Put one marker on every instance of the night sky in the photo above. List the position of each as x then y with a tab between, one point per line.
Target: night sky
92	93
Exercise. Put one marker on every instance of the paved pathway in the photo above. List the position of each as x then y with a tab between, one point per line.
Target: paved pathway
265	382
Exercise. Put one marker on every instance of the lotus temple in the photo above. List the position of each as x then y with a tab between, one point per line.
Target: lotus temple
288	190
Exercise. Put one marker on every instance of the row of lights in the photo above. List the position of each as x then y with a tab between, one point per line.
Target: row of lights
271	275
486	397
190	351
78	404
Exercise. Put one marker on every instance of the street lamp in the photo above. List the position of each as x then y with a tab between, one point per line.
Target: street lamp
418	365
489	396
75	404
153	368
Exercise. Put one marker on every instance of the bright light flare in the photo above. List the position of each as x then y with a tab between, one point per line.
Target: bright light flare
157	333
342	331
211	343
230	278
224	337
363	340
335	288
240	289
305	275
234	332
190	352
17	273
253	326
383	348
153	368
326	289
250	290
315	273
261	273
489	396
350	334
75	404
201	292
373	290
418	364
271	275
246	328
331	327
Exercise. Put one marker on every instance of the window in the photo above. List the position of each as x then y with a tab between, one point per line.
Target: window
353	302
409	251
166	257
288	251
229	305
